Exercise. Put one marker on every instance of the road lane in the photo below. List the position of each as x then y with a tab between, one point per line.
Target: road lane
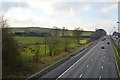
109	64
95	66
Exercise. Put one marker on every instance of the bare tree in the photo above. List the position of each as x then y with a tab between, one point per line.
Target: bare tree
37	48
53	42
66	42
63	29
77	33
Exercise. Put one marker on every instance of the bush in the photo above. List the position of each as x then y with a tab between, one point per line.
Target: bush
9	49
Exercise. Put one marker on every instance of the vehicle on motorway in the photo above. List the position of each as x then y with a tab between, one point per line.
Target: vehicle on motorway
108	42
102	47
103	39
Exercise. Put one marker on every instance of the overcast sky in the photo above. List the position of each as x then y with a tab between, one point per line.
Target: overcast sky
87	14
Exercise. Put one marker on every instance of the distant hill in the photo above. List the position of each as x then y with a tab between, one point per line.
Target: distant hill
37	31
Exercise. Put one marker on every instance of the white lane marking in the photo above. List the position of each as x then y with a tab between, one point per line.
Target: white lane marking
80	76
103	60
78	54
77	61
102	67
99	77
87	65
91	59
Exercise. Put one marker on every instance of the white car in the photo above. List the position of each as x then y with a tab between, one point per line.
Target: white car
102	47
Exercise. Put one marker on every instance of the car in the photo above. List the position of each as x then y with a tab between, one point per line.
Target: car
103	39
102	47
108	42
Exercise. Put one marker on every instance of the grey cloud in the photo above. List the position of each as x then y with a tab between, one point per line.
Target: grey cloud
67	6
7	5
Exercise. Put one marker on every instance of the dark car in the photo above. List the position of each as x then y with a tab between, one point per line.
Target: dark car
103	39
102	47
108	42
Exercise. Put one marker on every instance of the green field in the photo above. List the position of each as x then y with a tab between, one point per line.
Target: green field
27	57
27	40
30	42
41	51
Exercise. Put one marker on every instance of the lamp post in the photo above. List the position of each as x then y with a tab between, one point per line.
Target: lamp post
118	27
118	32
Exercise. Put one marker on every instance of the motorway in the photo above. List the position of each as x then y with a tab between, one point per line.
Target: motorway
93	62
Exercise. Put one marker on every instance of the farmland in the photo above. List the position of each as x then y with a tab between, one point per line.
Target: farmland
30	42
38	52
44	58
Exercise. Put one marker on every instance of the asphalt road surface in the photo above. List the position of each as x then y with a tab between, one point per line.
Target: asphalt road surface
93	62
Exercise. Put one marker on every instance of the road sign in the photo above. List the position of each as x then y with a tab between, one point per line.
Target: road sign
93	38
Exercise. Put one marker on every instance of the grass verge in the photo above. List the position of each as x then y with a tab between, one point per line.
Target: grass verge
117	50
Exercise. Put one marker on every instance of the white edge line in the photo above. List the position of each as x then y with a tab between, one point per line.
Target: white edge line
80	76
100	78
102	67
87	65
103	60
91	59
77	61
